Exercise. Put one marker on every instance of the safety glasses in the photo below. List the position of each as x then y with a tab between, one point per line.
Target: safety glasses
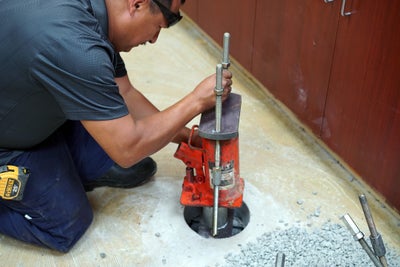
171	17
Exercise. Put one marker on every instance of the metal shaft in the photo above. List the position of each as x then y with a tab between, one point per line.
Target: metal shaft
375	237
280	260
218	105
370	253
217	171
207	216
359	236
225	55
217	168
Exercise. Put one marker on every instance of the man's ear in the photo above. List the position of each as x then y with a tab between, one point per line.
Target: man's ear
135	4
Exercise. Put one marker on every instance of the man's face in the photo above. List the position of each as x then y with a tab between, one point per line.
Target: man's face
143	23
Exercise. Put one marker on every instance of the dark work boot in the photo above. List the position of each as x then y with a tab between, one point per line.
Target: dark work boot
117	176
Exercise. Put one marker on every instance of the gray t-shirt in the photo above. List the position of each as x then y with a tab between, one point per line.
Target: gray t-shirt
57	64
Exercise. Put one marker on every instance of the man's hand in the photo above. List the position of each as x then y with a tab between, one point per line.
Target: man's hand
205	90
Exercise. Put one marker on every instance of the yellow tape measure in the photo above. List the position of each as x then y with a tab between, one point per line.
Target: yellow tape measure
12	182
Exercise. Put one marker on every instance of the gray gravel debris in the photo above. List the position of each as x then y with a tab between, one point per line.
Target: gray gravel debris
329	245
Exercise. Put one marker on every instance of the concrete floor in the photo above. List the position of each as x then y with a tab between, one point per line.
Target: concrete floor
281	164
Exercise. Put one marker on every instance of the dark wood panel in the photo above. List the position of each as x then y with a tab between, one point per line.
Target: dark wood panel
363	107
190	8
293	50
235	17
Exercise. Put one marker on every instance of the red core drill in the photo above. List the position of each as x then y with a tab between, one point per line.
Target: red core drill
212	178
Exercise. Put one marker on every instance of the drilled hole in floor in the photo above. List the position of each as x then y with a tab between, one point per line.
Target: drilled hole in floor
230	221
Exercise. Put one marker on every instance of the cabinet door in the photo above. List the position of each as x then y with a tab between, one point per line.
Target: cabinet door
363	105
293	50
233	16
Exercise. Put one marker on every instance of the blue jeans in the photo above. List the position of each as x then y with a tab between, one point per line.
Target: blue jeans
55	211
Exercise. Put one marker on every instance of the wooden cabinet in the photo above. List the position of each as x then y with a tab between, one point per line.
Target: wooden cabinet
362	112
218	17
293	51
338	74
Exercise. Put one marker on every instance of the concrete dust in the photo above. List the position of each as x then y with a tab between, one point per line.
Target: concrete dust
329	245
